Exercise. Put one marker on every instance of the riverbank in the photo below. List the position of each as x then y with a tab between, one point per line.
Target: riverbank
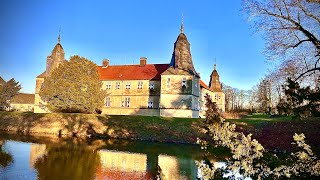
274	133
159	129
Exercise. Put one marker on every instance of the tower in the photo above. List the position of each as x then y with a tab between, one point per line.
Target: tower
180	88
181	59
214	83
56	58
53	61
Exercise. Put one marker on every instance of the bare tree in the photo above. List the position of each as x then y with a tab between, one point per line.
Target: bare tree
291	29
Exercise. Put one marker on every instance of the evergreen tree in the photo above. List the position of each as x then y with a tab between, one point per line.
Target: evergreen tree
303	101
7	91
73	87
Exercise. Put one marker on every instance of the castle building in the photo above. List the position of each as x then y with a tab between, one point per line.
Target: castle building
214	90
53	61
171	90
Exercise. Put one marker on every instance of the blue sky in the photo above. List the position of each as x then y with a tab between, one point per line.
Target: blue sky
123	31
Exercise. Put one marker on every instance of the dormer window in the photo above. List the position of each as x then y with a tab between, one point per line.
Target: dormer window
151	86
108	86
128	85
140	83
184	82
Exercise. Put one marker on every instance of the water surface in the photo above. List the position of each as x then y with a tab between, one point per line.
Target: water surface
25	157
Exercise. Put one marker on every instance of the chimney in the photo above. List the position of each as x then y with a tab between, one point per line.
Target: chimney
105	63
143	61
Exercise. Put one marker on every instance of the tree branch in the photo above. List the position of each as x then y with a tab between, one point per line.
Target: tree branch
310	70
307	13
312	38
297	44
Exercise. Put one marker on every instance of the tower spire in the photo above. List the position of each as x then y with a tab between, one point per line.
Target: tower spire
59	36
215	64
182	25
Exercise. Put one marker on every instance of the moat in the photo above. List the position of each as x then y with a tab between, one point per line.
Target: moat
26	157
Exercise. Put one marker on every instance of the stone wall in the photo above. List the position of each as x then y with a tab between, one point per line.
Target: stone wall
179	113
179	99
215	98
22	107
131	111
38	103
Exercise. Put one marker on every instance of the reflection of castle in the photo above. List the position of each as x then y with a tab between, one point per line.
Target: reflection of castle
122	165
36	152
127	165
173	89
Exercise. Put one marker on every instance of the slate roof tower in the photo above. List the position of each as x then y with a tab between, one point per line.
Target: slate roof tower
181	60
56	58
53	61
180	88
214	83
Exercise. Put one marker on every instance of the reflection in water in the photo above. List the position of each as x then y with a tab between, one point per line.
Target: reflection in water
177	168
169	166
122	165
5	158
67	162
36	151
97	159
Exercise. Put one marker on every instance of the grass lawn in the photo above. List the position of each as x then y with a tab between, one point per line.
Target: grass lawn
162	129
277	132
272	133
165	129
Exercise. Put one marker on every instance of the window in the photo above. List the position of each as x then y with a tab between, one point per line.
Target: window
168	82
108	86
108	101
184	82
117	85
127	102
150	104
140	83
151	86
196	84
215	96
128	85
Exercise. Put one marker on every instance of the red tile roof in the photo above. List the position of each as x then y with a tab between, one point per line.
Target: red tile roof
203	85
132	72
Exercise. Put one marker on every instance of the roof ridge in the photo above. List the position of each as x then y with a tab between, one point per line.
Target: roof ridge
134	65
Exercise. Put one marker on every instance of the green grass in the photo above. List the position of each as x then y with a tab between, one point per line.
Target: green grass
273	133
258	119
277	132
155	128
162	129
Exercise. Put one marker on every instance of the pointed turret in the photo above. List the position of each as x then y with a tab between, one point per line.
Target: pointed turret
214	83
181	61
56	57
